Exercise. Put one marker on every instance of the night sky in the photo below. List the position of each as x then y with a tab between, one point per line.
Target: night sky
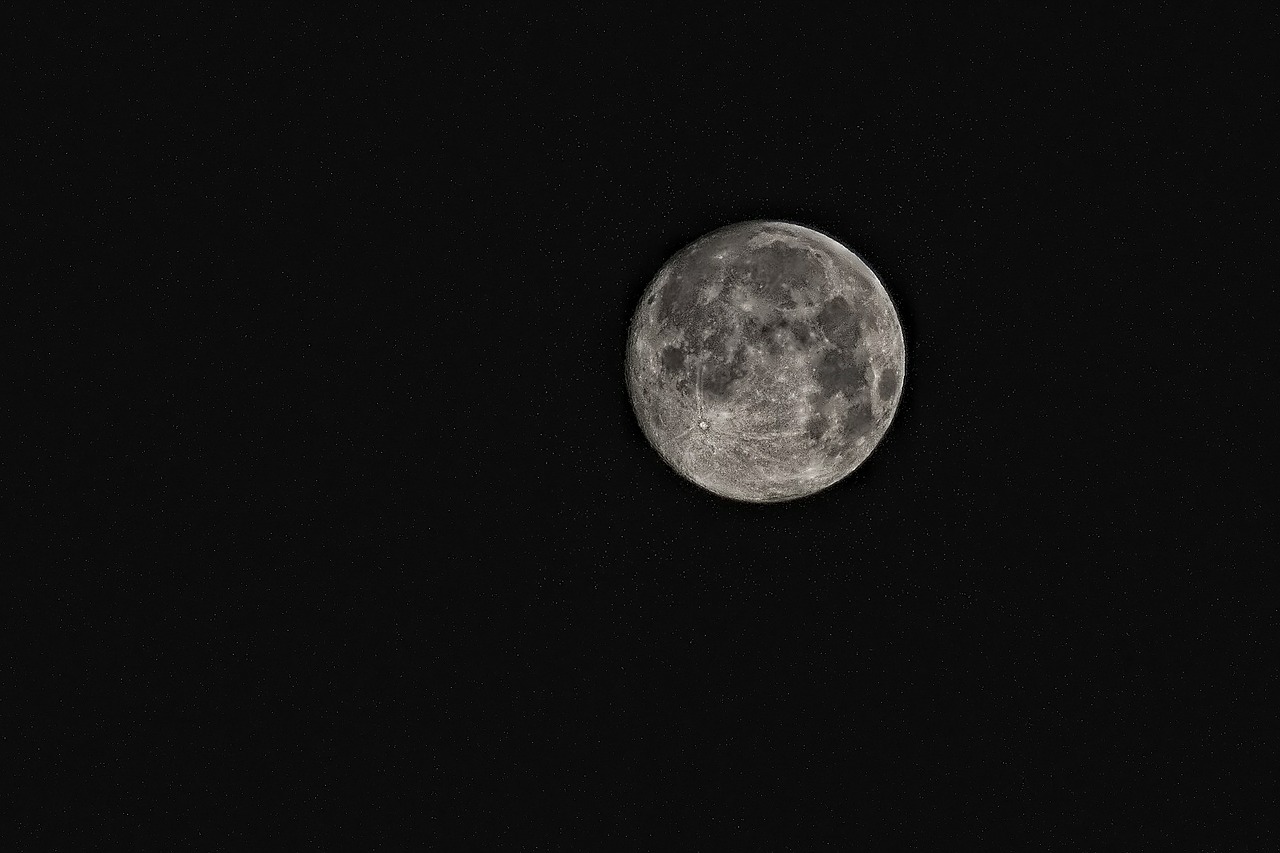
354	530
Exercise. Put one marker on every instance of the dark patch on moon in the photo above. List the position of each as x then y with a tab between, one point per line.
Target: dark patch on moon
802	333
672	359
842	370
716	379
858	420
888	384
799	268
680	294
719	374
774	336
816	425
768	270
838	321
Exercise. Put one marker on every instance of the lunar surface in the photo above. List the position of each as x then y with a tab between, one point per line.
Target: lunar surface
765	361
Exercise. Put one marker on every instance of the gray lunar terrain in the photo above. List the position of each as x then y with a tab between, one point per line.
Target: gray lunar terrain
765	361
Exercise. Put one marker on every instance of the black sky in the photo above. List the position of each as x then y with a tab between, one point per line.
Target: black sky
329	352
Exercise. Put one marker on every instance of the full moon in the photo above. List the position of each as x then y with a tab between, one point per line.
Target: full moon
765	361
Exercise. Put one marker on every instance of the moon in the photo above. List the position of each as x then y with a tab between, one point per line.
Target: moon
765	361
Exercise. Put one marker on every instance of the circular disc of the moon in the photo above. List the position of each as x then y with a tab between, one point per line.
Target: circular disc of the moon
765	361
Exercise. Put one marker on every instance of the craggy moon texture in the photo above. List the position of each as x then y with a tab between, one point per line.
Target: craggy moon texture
765	361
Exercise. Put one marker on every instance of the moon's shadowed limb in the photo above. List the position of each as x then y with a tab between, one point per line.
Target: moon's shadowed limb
765	361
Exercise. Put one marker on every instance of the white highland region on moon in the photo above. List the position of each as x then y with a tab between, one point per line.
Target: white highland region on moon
765	361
